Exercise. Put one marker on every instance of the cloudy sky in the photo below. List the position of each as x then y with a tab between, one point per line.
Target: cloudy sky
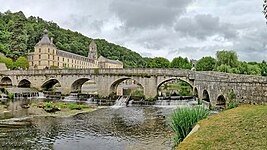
167	28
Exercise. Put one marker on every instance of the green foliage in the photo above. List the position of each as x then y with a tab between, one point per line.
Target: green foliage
8	61
53	67
184	119
157	62
224	68
228	58
232	101
206	64
263	68
22	62
181	63
138	93
11	95
150	99
53	107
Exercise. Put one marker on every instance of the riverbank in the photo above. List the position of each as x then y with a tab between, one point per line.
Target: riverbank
244	127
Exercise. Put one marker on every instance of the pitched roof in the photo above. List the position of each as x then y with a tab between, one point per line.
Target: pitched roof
45	39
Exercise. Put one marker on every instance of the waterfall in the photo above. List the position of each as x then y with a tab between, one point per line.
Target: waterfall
41	95
121	101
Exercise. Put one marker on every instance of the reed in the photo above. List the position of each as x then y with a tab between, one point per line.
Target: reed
184	119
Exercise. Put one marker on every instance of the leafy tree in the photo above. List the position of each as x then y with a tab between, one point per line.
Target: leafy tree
159	62
22	62
181	63
206	64
228	58
224	68
19	37
263	67
254	70
8	61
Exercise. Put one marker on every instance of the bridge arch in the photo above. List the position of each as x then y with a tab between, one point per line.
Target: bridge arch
117	87
206	96
6	81
24	83
49	84
221	102
161	88
174	78
77	85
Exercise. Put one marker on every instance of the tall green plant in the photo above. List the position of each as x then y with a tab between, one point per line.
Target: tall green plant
184	119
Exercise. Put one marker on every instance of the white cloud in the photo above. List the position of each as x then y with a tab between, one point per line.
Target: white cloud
169	28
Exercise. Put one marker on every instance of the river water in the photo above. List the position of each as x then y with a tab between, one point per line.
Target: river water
123	128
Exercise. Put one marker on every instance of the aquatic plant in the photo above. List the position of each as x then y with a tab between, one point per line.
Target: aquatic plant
184	119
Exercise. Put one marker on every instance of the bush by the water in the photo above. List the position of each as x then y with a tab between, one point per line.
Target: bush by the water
184	119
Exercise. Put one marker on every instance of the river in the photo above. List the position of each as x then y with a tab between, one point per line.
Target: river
123	128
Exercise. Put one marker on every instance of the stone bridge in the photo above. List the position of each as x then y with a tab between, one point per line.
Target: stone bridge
211	86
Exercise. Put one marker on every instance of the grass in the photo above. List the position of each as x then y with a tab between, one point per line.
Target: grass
53	107
184	119
244	127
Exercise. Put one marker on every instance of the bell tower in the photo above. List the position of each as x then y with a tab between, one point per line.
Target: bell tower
92	50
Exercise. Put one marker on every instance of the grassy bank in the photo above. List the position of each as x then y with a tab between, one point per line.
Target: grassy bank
184	119
244	127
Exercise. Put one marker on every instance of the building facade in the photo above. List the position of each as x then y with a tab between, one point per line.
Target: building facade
46	55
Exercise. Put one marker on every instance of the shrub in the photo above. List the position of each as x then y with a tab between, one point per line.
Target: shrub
184	119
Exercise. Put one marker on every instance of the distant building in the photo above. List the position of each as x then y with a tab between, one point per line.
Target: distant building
108	63
46	55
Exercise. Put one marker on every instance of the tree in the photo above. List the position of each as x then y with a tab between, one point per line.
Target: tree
157	62
22	62
206	64
19	36
263	67
228	58
224	68
8	61
181	63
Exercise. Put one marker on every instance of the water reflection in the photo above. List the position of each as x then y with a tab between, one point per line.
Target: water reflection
119	129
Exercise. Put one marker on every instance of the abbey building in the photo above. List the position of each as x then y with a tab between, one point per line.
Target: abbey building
46	55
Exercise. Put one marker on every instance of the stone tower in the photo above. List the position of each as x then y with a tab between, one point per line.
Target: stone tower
44	53
92	50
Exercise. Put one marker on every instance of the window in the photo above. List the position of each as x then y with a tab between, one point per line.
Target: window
39	56
40	50
48	50
39	63
48	56
63	58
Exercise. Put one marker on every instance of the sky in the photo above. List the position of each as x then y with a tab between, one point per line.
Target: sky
161	28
